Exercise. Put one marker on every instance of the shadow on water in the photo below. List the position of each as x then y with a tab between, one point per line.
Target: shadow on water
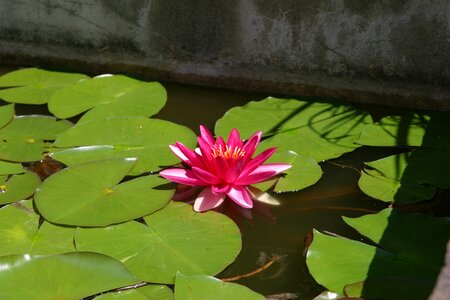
383	279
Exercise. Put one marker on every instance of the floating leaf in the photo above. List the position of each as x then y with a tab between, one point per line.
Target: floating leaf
318	130
108	96
65	276
34	86
408	261
399	131
21	234
304	172
6	114
92	196
8	168
18	187
201	287
176	239
24	138
143	138
148	292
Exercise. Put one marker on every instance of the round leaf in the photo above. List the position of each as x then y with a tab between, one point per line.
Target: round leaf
92	196
20	232
202	287
148	292
143	138
65	276
109	96
176	239
34	86
18	187
8	168
318	130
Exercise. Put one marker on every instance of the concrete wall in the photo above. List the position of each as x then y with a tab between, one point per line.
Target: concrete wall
387	51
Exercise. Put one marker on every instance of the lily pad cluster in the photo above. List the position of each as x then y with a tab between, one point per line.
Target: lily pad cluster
105	221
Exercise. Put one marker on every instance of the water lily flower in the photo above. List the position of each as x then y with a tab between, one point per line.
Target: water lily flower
223	169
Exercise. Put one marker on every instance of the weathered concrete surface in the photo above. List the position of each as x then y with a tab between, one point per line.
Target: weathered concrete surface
386	52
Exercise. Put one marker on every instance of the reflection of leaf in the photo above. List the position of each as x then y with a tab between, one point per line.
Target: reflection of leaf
120	137
319	130
24	138
411	258
205	287
176	239
148	292
20	234
34	86
18	187
92	196
65	276
108	96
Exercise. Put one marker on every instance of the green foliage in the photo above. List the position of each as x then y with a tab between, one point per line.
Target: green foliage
18	186
407	262
149	292
67	276
172	239
202	287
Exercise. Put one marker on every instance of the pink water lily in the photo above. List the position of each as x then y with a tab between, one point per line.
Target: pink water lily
223	169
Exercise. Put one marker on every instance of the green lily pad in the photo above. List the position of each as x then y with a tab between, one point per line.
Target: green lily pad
304	172
24	139
175	239
6	114
318	130
9	168
148	292
201	287
34	86
408	261
396	131
65	276
92	196
21	234
18	187
116	137
108	96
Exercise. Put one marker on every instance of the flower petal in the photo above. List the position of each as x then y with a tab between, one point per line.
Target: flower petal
193	158
257	161
234	139
207	200
207	136
251	144
220	189
240	196
276	167
255	178
205	176
180	154
183	176
261	196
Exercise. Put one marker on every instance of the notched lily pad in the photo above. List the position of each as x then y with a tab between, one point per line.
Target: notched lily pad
118	137
18	187
92	194
34	86
107	96
174	238
72	275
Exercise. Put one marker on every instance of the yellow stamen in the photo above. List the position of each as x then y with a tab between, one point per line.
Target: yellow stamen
229	153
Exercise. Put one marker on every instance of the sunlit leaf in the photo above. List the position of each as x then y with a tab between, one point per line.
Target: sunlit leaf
92	195
20	232
65	276
6	114
34	86
318	130
148	292
201	287
18	187
24	138
400	131
304	172
108	96
409	258
7	168
175	239
143	138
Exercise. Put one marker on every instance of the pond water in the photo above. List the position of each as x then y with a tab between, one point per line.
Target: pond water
286	230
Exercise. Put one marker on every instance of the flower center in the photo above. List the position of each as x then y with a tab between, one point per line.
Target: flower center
228	152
